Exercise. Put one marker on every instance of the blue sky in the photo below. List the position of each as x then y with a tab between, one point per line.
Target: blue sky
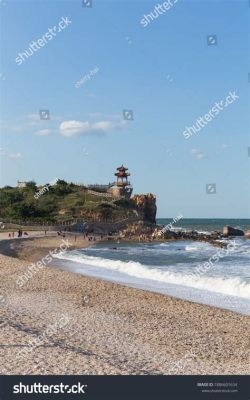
165	72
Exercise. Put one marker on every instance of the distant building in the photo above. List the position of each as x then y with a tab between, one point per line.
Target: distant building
122	187
21	184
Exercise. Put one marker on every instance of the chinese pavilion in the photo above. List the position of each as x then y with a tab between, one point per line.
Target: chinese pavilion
122	187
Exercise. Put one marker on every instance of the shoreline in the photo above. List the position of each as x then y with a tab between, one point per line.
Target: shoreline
113	329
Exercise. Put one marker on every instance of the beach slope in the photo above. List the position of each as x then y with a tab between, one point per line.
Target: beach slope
59	322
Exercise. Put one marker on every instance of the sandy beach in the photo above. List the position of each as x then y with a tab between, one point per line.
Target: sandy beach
82	325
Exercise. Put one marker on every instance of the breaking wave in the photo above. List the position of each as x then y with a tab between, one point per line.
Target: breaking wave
232	286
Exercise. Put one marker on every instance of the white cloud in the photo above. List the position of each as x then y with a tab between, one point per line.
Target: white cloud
198	154
15	155
33	117
43	132
11	155
71	128
36	117
103	126
32	124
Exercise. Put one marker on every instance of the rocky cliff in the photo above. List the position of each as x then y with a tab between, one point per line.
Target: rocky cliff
146	204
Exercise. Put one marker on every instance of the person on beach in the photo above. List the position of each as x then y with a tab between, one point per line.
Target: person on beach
9	235
13	234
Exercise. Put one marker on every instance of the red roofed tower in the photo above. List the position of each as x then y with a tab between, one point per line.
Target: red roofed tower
122	186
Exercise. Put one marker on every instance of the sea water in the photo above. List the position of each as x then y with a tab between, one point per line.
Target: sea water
173	268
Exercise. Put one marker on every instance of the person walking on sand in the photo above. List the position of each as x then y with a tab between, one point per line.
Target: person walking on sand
13	234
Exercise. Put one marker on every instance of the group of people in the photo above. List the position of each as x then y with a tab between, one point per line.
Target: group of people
19	234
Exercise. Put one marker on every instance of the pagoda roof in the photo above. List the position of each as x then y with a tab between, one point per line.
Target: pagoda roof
122	174
122	168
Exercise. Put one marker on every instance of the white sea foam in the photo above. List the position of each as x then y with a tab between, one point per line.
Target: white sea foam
199	247
232	286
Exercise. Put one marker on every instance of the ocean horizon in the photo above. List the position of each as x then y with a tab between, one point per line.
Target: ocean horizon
206	224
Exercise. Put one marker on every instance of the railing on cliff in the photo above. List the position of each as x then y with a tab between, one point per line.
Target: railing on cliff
99	194
69	222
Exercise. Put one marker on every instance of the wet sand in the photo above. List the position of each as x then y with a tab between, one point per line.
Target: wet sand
59	322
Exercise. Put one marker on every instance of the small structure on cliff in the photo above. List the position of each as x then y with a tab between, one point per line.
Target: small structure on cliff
122	187
21	184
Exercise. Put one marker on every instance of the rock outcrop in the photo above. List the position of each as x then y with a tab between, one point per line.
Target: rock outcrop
146	204
230	231
212	238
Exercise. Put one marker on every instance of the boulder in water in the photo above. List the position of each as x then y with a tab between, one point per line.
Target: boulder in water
230	231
